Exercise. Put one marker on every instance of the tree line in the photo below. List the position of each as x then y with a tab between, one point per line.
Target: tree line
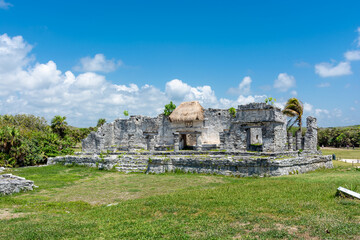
339	136
27	140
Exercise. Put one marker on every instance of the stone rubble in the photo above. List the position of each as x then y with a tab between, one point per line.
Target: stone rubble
13	184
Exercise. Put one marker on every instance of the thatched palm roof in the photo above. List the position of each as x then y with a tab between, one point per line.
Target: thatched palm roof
187	111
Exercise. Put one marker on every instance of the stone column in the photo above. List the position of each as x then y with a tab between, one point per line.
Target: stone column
298	140
310	142
176	142
198	145
290	141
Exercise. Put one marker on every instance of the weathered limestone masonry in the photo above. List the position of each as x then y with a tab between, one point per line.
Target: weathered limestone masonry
13	184
254	142
310	140
223	164
256	127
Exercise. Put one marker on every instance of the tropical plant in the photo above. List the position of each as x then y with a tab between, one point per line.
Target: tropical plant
101	122
270	100
169	108
294	110
126	113
59	125
232	111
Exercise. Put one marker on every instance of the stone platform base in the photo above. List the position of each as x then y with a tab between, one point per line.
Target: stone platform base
223	164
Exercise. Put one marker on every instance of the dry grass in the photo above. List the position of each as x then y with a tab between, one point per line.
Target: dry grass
6	214
114	187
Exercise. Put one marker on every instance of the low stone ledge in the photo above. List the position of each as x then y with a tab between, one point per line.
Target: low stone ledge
243	166
13	184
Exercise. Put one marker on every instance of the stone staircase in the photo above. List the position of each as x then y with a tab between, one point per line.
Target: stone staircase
132	165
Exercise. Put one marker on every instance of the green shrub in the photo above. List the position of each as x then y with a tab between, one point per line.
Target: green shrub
232	112
169	108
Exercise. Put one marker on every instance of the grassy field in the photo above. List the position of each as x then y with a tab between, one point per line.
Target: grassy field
342	153
84	203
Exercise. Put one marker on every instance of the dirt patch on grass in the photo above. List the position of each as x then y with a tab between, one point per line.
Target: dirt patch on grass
257	229
6	214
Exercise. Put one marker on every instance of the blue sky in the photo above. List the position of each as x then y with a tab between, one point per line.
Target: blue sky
94	59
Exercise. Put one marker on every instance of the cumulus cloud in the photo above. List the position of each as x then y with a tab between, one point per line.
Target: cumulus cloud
352	55
97	64
331	70
13	53
5	5
243	88
179	91
27	86
284	82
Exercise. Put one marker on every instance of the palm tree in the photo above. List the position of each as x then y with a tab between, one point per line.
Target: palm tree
294	109
59	125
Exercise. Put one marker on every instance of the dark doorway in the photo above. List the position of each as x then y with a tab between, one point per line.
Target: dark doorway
186	142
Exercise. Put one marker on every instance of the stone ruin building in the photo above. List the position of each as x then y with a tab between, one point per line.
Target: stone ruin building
255	127
253	142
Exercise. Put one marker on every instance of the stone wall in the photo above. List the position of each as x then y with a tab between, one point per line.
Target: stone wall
237	165
310	139
254	119
13	184
216	120
122	133
256	127
132	133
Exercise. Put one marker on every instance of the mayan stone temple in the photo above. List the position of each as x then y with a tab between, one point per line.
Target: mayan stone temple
254	141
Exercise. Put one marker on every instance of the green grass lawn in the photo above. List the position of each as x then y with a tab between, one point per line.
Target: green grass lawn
84	203
342	153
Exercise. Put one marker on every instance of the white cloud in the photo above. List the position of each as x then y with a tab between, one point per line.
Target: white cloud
243	88
123	88
5	5
319	112
280	105
89	80
329	70
284	82
97	64
27	86
358	40
294	93
308	107
323	85
352	55
13	53
241	100
176	89
42	89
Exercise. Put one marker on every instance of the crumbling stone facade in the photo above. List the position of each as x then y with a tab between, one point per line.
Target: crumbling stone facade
256	127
